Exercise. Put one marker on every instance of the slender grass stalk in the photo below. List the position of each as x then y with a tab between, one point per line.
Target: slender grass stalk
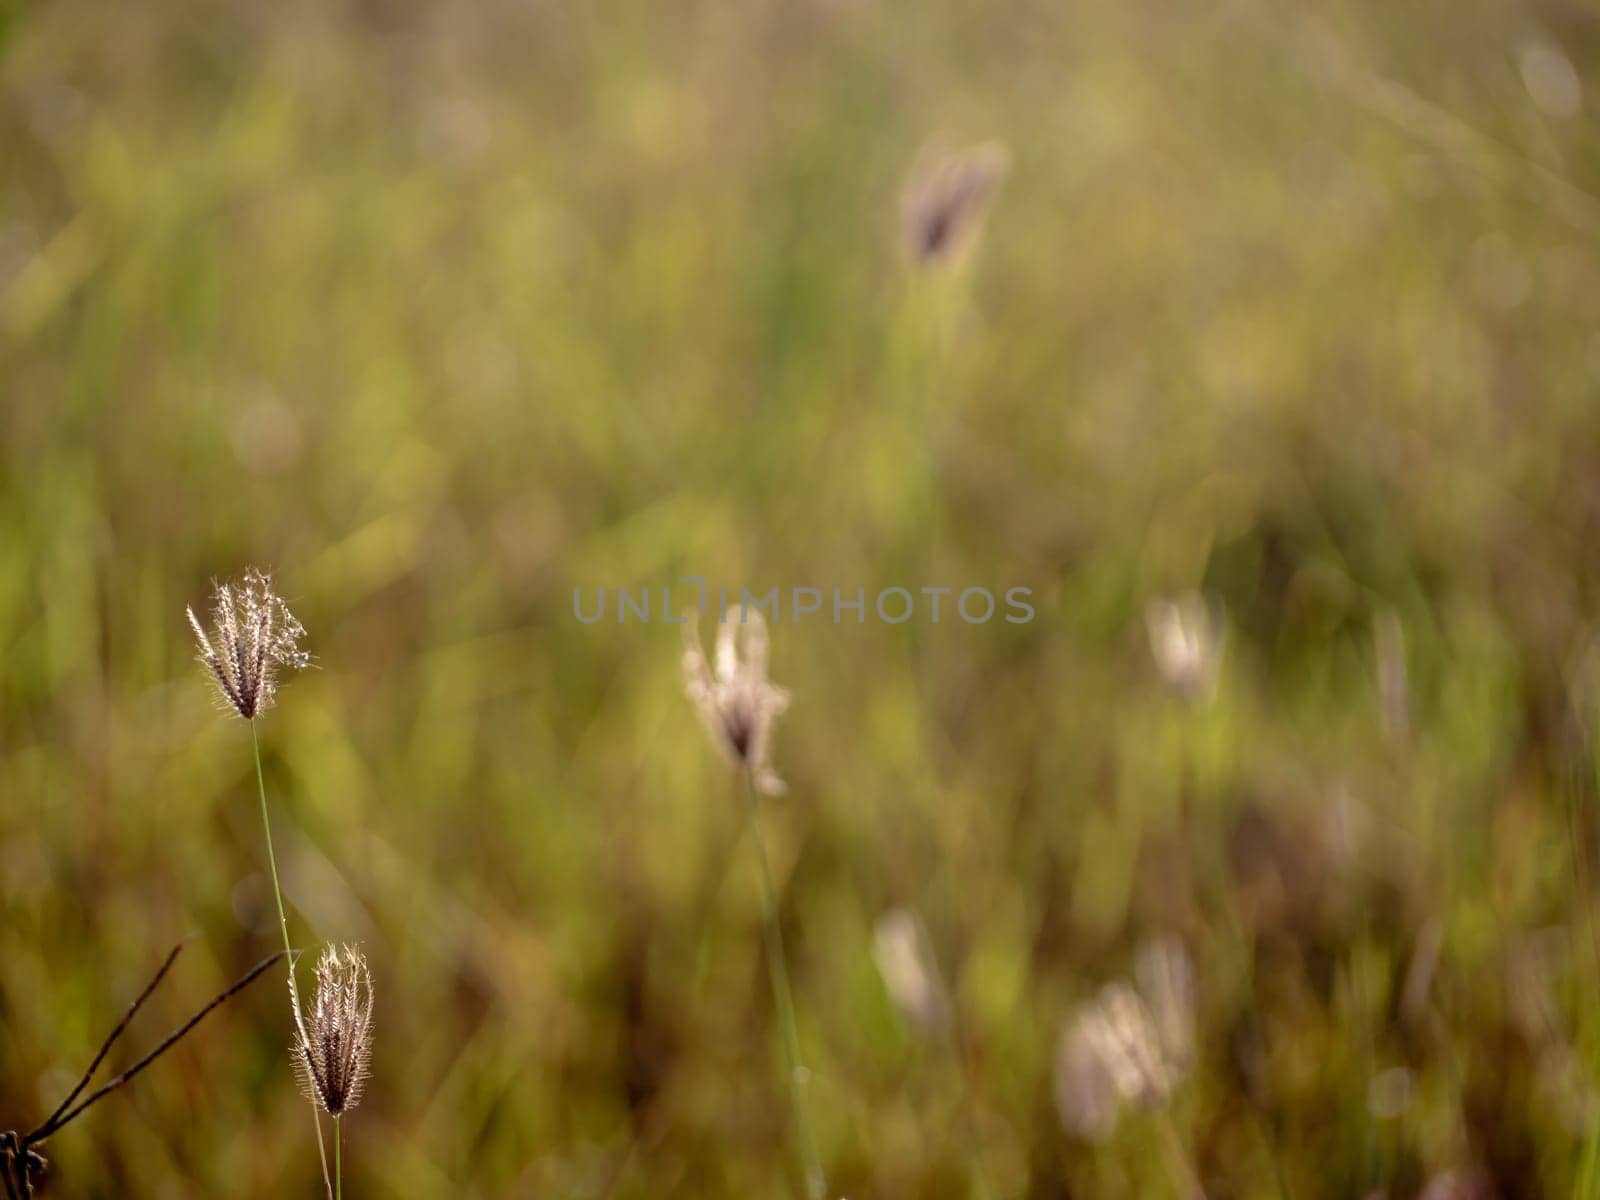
338	1156
272	859
322	1150
1591	1161
982	1183
1580	875
283	925
778	971
1185	1179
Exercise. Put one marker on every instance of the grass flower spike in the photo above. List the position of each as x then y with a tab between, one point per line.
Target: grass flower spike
333	1050
257	634
333	1046
736	701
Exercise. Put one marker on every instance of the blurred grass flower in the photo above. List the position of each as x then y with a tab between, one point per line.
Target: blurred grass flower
946	200
905	960
736	700
1394	692
1124	1033
1166	981
1186	640
1086	1094
1131	1048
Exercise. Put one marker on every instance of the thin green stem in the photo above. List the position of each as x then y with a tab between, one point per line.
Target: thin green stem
778	971
1185	1180
1580	875
982	1185
283	925
272	859
1586	1171
322	1150
1580	884
338	1155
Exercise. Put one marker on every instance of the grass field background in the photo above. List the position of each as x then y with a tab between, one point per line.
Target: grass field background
444	310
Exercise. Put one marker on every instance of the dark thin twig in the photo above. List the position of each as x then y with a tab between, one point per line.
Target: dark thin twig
122	1025
52	1126
8	1144
18	1163
18	1158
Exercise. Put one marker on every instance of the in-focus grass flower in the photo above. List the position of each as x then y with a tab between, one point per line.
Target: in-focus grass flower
333	1046
333	1050
256	634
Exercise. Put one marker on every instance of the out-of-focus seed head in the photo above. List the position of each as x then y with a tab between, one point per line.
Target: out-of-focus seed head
1124	1033
1561	1086
946	200
1394	693
256	634
333	1047
736	701
1166	980
1390	1093
1128	1047
901	949
1422	968
1087	1097
1457	1185
1186	640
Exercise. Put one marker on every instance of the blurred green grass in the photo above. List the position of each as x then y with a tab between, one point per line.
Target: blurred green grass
443	311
